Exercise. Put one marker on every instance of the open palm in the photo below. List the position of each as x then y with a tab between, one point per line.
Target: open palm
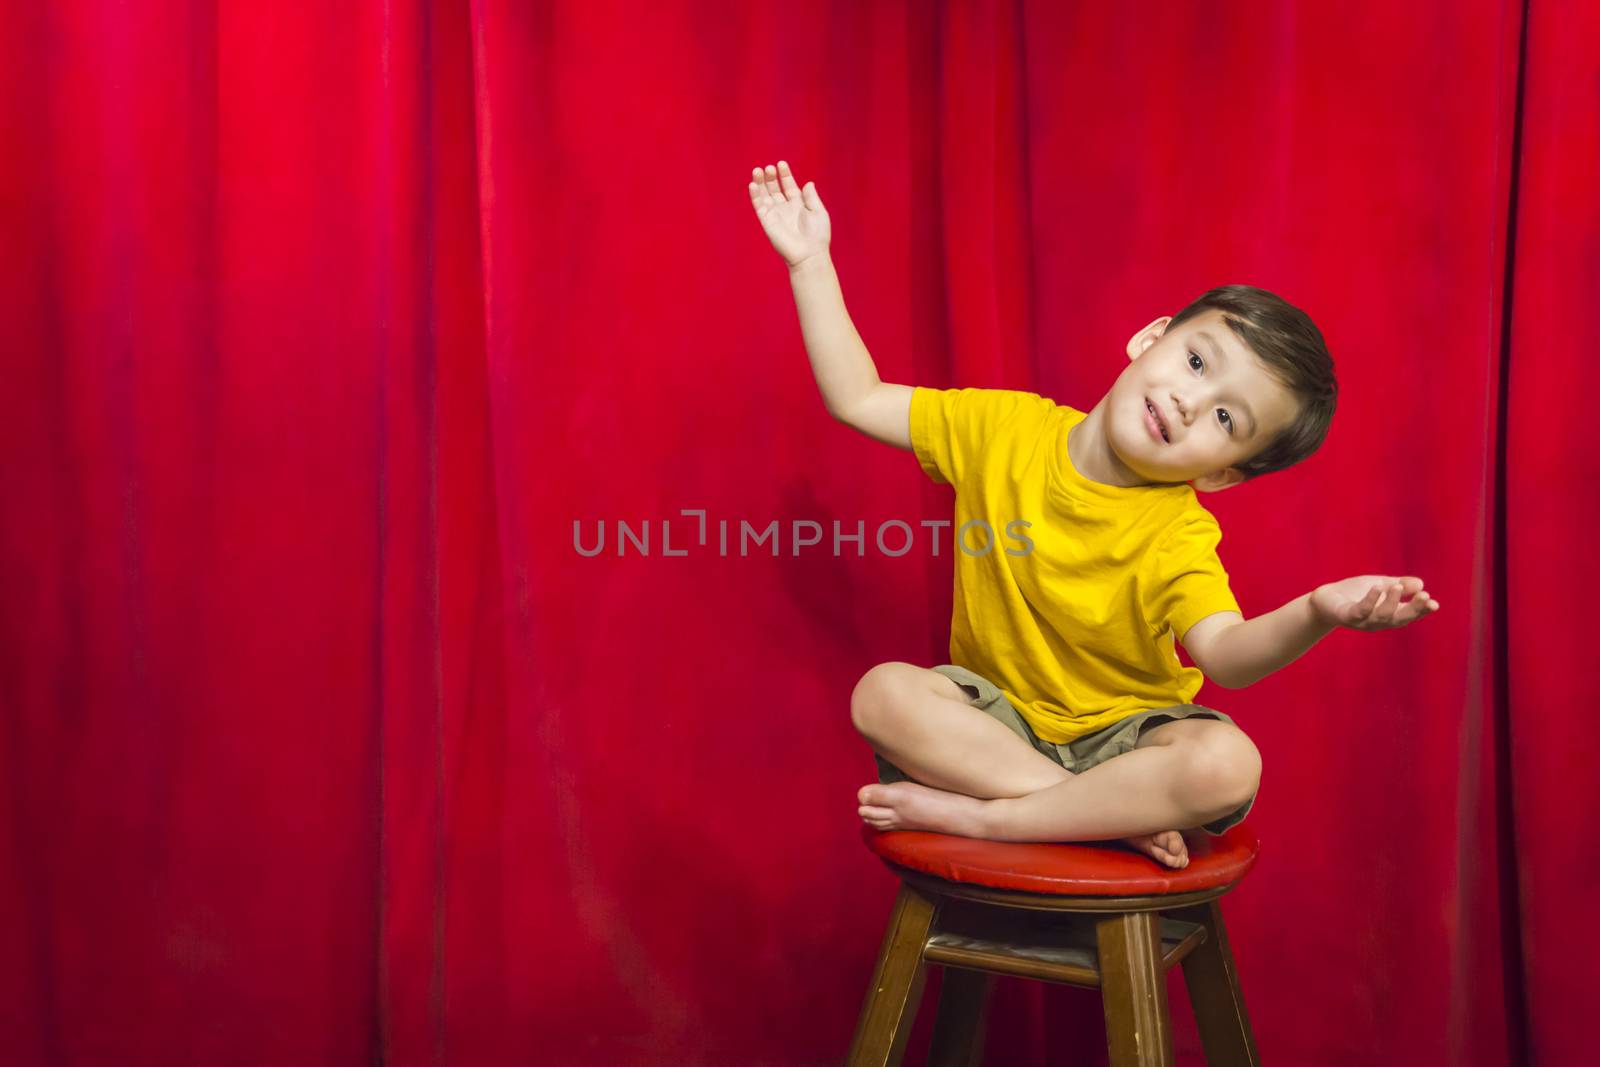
1372	602
794	219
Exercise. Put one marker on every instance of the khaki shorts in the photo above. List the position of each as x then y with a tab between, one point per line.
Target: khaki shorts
1081	753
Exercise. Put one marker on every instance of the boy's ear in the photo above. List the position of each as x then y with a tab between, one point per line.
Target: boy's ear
1147	337
1217	481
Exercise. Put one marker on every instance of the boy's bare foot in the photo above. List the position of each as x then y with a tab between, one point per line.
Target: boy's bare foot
1166	847
913	806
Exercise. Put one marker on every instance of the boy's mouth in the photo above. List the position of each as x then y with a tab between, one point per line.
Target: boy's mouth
1160	424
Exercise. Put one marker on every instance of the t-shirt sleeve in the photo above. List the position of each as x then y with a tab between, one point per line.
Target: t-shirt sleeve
951	428
1184	580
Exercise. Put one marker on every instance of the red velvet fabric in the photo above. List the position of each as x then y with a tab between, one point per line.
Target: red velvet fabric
1546	743
322	325
1069	868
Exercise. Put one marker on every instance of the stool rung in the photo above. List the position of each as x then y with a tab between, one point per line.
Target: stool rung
1051	952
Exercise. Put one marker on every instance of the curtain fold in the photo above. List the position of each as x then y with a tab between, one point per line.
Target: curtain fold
1548	741
329	334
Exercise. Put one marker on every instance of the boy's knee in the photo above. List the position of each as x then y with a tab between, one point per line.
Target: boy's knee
876	694
1226	768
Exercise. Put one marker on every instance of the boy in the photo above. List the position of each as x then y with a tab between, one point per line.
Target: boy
1066	645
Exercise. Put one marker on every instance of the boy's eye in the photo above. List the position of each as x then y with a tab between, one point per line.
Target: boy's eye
1221	414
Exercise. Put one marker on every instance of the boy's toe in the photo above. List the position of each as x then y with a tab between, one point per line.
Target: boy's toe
872	794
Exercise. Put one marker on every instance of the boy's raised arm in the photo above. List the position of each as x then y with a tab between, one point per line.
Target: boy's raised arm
797	225
884	414
845	373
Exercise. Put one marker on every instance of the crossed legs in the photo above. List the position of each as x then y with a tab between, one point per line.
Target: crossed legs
987	782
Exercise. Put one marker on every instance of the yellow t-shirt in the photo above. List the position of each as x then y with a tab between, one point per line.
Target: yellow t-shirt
1073	616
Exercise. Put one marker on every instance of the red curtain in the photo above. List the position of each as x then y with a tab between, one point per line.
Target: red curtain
326	329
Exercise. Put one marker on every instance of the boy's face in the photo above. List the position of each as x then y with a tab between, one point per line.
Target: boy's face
1217	401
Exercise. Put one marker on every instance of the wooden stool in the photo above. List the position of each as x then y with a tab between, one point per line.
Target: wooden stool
1084	915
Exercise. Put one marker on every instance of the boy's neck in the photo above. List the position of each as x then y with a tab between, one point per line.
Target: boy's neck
1093	458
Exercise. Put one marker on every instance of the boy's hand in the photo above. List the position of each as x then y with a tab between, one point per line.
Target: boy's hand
794	218
1372	602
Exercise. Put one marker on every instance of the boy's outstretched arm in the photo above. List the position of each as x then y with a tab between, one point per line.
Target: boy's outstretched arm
1236	652
797	225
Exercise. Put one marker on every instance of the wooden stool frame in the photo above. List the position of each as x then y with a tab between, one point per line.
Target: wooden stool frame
1128	965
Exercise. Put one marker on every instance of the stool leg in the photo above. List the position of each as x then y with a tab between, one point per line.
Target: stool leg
1133	988
963	1013
1213	983
891	1004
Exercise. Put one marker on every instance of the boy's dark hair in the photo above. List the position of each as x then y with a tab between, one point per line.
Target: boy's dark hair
1286	340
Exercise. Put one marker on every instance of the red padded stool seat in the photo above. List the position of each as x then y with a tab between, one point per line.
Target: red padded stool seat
1088	915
